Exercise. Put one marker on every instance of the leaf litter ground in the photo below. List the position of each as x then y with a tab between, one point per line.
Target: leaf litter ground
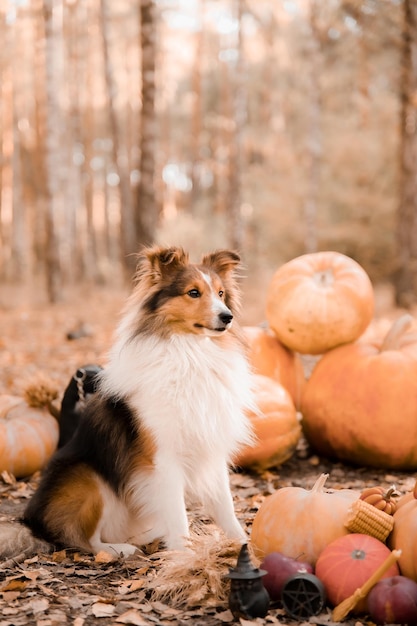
51	588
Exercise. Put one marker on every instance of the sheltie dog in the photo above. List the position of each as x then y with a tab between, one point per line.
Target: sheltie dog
165	422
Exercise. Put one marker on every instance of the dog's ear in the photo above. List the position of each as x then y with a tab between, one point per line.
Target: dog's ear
223	262
158	263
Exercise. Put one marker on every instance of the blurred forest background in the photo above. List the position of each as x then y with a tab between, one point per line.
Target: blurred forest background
276	127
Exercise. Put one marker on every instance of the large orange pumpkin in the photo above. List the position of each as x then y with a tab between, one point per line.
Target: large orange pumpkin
28	436
299	523
360	404
276	427
319	301
404	534
269	357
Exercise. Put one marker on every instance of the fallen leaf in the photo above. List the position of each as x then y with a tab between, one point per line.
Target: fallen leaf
101	609
9	596
159	607
59	556
16	584
132	617
8	478
225	617
135	584
104	557
39	605
33	574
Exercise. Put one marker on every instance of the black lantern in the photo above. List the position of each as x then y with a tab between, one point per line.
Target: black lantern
303	595
248	597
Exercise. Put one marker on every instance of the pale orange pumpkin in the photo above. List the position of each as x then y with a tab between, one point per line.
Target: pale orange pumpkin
28	436
276	427
300	523
360	404
269	357
319	301
404	534
398	335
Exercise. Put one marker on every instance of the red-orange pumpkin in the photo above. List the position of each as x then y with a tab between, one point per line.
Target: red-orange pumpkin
276	427
319	301
348	562
300	523
360	405
404	534
28	436
269	357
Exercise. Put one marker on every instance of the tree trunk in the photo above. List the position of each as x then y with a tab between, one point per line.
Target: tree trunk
406	276
314	146
52	261
146	210
6	95
234	215
81	256
38	224
19	240
120	157
197	111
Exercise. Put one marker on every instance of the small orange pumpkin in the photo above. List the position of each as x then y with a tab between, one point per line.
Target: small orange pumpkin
380	498
276	427
28	436
360	404
300	522
404	534
269	357
319	301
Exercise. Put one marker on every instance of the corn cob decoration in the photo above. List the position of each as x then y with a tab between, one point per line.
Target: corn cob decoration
364	518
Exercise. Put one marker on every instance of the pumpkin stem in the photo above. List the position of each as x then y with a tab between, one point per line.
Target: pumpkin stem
390	492
319	484
399	327
324	278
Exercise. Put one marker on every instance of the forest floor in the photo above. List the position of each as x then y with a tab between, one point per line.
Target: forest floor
47	589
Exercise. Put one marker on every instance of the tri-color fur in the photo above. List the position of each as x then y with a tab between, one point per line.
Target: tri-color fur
166	421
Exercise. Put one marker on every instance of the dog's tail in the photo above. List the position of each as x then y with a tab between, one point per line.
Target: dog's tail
17	543
82	384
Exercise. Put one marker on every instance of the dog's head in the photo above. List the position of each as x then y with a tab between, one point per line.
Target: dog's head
178	296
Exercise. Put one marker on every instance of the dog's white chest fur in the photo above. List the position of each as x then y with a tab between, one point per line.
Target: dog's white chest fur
188	390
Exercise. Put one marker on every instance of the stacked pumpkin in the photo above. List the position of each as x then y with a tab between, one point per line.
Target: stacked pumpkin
278	381
321	304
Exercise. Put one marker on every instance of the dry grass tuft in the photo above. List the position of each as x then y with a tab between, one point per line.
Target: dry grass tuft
196	577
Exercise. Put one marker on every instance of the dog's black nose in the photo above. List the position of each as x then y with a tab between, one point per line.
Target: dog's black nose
226	318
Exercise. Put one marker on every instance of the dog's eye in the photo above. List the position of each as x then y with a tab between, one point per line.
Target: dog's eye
194	293
221	293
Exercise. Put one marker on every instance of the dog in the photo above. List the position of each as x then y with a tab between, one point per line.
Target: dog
166	421
82	385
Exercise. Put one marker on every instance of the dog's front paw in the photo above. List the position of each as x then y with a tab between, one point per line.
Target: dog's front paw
118	549
181	544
